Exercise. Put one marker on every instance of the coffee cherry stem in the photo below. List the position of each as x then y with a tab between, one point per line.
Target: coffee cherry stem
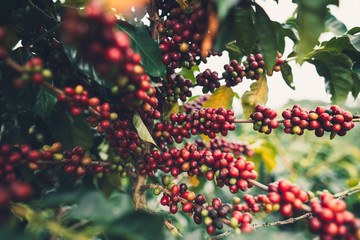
283	222
14	65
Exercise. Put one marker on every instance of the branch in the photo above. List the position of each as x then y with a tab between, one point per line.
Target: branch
222	235
348	192
287	221
172	228
258	184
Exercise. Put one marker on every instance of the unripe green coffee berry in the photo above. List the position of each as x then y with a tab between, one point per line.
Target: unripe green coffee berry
157	191
234	223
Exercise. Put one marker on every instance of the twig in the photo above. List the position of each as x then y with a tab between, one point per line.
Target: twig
258	184
253	121
43	35
287	221
14	65
222	235
172	228
347	192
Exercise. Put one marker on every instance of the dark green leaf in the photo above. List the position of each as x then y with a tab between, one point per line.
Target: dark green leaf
224	6
147	47
334	25
137	226
287	75
245	33
95	207
45	102
189	73
142	129
283	31
70	130
311	18
354	30
267	36
356	78
235	53
336	69
225	33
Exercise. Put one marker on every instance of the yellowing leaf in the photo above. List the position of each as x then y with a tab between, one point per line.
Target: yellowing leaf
142	130
170	108
265	153
258	94
194	181
183	3
222	97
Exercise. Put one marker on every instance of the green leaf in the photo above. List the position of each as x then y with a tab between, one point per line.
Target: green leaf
356	78
189	73
311	18
147	47
245	32
222	97
258	94
235	53
336	69
283	31
95	207
45	102
142	129
267	36
355	41
137	225
334	25
287	75
224	6
70	130
354	30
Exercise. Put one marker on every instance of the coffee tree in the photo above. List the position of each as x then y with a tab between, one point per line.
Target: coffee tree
99	118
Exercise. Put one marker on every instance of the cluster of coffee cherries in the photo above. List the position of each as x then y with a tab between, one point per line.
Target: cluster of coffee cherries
227	146
253	67
11	187
296	120
334	120
181	37
264	119
233	73
286	197
95	36
253	204
331	220
76	99
118	132
120	166
179	193
228	170
330	120
208	121
208	80
77	162
33	72
176	87
196	104
166	132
